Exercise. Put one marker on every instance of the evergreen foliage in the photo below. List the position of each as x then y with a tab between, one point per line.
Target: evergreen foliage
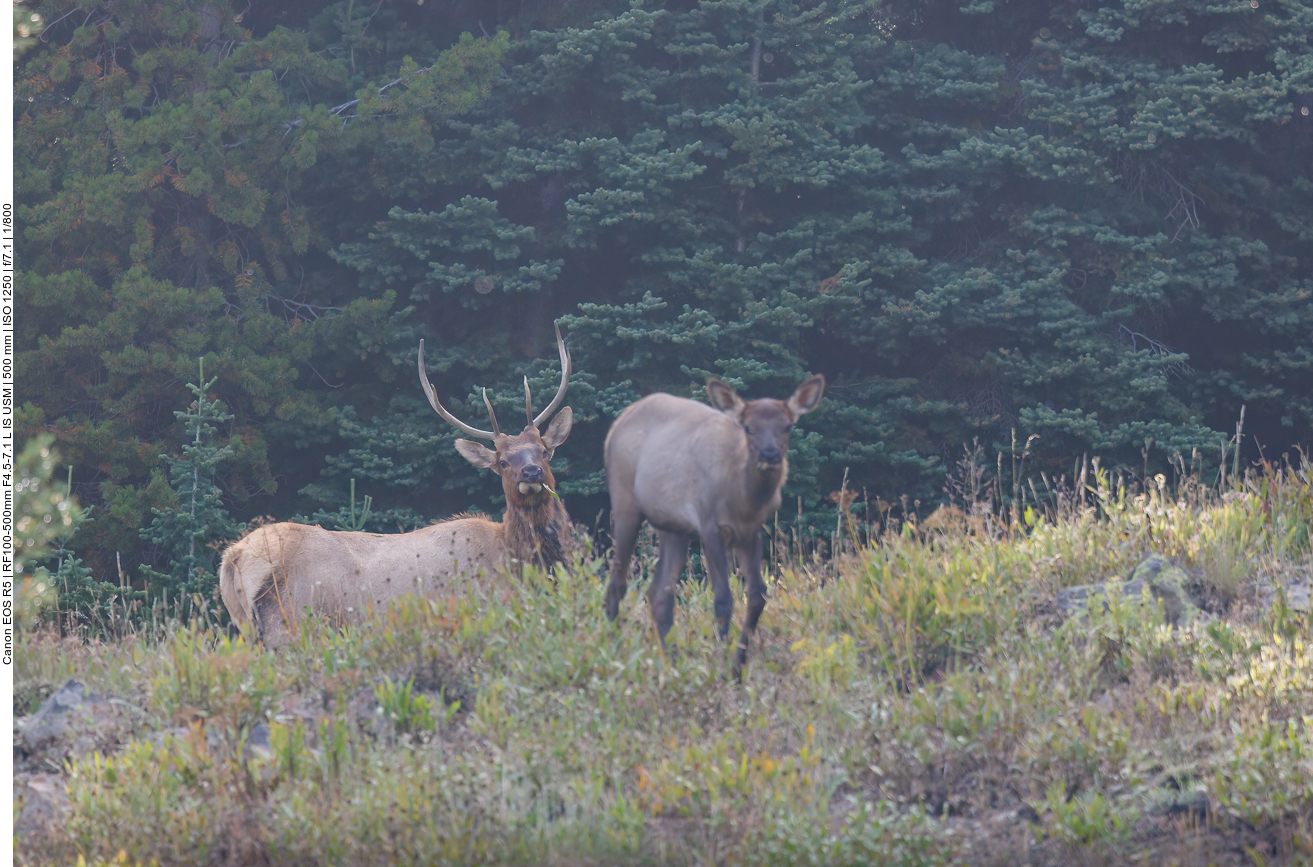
171	173
47	516
1086	223
78	592
27	25
184	530
43	510
1037	232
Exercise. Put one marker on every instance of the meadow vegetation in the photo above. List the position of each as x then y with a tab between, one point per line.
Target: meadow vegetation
914	697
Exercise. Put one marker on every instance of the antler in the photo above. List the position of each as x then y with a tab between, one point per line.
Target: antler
560	392
552	407
492	415
432	394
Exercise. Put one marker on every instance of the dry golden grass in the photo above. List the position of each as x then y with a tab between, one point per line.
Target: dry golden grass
915	700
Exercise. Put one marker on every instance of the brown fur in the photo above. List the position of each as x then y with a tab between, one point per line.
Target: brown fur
541	533
273	575
713	472
279	571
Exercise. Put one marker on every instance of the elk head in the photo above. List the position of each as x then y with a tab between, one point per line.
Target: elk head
521	460
766	421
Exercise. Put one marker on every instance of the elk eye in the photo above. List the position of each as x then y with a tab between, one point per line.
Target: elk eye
747	429
503	464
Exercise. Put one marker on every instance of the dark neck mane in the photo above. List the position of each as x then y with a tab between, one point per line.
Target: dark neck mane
538	533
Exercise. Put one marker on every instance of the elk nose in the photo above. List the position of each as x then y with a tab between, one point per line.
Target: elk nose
531	473
771	453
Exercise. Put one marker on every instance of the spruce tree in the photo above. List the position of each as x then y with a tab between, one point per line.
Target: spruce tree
185	533
1085	223
180	173
974	219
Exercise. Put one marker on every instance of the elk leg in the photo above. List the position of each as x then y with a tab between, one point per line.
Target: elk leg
751	564
624	533
713	548
661	595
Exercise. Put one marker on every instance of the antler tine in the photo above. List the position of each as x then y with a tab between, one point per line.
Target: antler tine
565	380
528	402
496	431
432	395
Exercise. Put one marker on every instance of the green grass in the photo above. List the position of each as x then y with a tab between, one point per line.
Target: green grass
915	700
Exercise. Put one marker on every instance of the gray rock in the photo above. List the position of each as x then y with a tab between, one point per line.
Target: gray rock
44	804
218	742
1299	596
1193	805
257	742
71	709
1166	581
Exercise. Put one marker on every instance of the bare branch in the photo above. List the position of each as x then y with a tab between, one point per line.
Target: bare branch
344	106
302	310
1153	177
1160	349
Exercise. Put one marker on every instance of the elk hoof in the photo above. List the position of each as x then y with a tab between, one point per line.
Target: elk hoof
740	660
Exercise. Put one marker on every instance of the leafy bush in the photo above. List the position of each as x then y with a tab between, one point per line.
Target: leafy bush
919	609
871	833
212	677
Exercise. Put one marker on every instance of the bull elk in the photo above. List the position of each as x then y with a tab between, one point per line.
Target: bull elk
711	471
279	570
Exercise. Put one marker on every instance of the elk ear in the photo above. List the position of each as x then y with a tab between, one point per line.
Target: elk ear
725	398
558	430
476	454
807	395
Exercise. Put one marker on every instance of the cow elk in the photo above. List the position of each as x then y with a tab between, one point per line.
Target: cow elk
714	472
280	570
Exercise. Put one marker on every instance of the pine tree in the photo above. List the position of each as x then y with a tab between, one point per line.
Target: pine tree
1084	223
185	534
178	181
974	220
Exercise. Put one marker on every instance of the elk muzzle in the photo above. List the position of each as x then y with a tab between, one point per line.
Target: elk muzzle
531	479
769	457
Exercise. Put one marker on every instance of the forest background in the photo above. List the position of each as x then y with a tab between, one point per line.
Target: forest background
1081	228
